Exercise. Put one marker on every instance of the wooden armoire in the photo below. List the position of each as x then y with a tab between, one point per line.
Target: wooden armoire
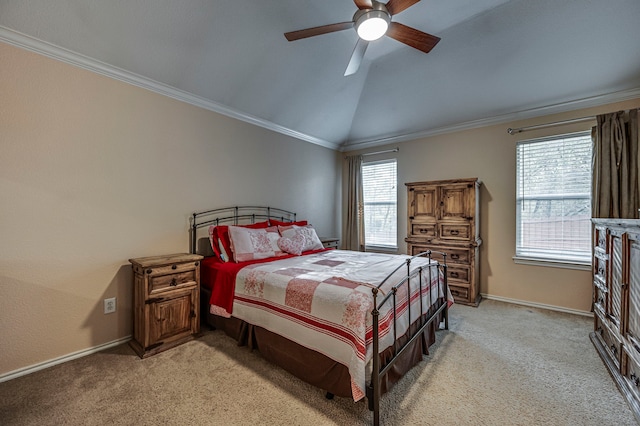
616	302
443	216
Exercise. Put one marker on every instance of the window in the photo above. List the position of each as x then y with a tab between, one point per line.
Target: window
380	194
553	200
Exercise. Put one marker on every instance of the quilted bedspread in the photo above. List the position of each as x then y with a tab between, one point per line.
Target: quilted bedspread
324	301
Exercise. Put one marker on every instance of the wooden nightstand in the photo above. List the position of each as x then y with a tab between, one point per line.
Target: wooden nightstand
166	302
330	242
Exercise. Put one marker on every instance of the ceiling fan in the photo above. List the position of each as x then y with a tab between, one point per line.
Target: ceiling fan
372	20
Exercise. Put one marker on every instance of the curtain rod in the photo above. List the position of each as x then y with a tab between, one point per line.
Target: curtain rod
381	152
378	152
543	126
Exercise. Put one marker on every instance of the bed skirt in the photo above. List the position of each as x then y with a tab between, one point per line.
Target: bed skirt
311	366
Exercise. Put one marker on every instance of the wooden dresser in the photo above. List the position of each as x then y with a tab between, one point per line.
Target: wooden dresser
443	216
166	302
616	302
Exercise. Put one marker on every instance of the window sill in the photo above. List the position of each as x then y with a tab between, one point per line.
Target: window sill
566	264
381	249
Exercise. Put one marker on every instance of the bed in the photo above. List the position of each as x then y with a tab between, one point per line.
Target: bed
321	314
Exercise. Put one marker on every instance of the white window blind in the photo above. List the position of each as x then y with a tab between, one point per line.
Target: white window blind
553	219
380	194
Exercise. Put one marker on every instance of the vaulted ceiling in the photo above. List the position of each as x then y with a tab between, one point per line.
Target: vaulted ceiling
498	60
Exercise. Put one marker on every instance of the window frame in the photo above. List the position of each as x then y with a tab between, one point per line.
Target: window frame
381	247
583	263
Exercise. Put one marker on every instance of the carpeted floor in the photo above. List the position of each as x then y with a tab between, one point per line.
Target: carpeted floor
499	364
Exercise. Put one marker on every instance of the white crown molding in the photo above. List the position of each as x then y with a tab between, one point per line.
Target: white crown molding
590	102
32	44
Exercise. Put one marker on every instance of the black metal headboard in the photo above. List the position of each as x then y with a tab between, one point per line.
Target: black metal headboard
235	216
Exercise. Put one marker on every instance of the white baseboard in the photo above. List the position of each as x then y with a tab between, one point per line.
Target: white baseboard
537	305
41	366
50	363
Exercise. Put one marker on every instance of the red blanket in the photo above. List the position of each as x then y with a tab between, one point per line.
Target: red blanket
220	278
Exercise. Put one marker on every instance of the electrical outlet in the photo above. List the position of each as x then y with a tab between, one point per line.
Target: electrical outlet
109	305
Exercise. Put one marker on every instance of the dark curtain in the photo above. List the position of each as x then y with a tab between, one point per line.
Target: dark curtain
616	188
355	205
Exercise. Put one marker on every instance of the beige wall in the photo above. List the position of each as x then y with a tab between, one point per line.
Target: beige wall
489	154
94	171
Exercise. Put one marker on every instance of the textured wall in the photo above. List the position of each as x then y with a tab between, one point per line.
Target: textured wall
94	172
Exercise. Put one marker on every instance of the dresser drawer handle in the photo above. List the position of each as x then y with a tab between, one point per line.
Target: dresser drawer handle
174	282
454	232
453	275
455	256
635	379
423	230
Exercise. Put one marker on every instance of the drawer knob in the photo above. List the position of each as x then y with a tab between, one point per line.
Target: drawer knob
174	282
174	266
149	271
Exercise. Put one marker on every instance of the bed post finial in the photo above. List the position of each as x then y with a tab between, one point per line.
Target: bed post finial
193	234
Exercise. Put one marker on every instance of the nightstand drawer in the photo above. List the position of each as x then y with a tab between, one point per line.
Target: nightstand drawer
166	278
330	242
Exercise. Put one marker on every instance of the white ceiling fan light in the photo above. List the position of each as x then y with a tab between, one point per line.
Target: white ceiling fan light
371	21
371	24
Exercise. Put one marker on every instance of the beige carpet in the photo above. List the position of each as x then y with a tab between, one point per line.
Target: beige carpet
499	364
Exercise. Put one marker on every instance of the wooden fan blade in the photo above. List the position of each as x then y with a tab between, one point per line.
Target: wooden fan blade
363	4
396	6
324	29
356	57
412	37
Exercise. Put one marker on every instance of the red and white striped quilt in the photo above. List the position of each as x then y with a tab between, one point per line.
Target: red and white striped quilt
324	302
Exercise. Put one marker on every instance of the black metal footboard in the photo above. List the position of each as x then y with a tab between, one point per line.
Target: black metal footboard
426	318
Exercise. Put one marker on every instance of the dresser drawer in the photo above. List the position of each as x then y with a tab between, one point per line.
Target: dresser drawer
600	263
611	342
599	296
425	230
170	277
454	254
600	237
455	231
631	370
458	273
459	293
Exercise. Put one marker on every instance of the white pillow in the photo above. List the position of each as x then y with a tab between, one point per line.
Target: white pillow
311	240
250	244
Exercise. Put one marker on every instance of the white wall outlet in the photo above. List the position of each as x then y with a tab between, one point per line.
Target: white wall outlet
109	305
